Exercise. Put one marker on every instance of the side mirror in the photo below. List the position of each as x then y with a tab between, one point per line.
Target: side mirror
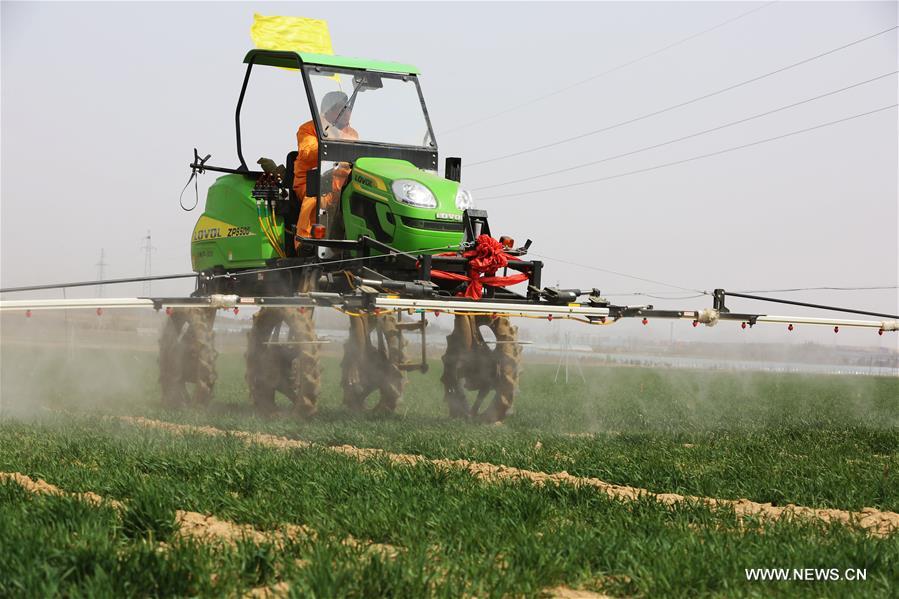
453	169
312	183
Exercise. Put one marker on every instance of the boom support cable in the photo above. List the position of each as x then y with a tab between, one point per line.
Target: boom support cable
219	276
793	289
808	305
682	104
244	273
103	282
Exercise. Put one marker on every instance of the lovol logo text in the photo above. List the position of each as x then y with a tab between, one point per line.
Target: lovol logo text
209	229
204	234
364	180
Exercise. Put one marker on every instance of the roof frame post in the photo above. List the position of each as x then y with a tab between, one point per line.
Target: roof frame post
313	113
243	91
250	60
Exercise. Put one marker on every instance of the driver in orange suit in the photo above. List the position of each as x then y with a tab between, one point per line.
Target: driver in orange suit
335	118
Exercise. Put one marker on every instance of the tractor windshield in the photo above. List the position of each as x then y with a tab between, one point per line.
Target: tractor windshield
358	105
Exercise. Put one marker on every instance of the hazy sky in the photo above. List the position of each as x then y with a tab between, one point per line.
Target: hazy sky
102	104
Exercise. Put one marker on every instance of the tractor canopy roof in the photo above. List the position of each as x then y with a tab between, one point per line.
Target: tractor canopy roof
292	60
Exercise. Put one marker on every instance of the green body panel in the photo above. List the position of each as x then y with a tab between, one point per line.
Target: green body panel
228	233
373	177
287	59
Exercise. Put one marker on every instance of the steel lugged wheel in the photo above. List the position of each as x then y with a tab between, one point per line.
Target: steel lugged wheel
187	357
366	367
470	364
305	369
289	364
265	364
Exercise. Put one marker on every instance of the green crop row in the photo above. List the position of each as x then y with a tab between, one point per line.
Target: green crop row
457	535
62	546
820	441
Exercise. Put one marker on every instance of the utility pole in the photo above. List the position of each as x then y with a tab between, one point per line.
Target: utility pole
101	266
565	350
148	249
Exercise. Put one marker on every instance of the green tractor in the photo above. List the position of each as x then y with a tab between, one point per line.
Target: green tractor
383	219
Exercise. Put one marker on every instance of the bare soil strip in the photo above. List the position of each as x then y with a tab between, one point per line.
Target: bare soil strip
42	486
874	521
208	528
276	591
204	527
563	592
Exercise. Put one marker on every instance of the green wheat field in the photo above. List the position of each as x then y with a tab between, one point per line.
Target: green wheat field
382	527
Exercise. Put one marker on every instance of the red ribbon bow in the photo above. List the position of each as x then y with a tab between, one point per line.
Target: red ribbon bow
484	260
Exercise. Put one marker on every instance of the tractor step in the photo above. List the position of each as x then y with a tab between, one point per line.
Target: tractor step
412	326
410	366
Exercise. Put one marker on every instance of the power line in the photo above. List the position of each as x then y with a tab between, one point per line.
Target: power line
656	294
679	139
691	159
681	104
620	274
606	72
661	297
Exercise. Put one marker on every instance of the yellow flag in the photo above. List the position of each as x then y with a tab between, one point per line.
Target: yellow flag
297	34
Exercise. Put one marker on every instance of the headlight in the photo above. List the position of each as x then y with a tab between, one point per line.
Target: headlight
414	194
464	200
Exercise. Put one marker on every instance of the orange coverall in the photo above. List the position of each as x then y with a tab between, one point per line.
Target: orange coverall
307	158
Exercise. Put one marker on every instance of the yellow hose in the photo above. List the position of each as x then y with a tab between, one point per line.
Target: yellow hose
270	237
274	225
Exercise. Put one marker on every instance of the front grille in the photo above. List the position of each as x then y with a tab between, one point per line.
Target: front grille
431	225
